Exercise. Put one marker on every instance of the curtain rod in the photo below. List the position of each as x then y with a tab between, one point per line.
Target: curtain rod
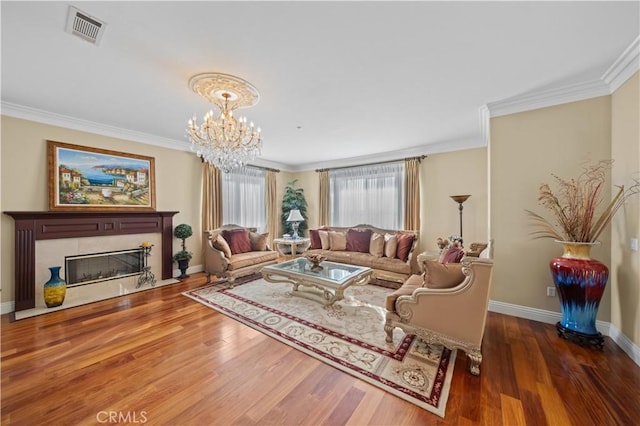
419	158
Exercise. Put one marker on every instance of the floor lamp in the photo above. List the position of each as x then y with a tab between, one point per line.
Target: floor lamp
460	199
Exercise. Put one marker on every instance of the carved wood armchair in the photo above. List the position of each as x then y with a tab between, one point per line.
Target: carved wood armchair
454	316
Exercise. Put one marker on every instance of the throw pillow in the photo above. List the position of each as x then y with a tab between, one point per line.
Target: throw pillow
405	242
439	275
453	255
390	245
338	240
376	245
238	240
314	235
324	240
359	240
258	241
221	244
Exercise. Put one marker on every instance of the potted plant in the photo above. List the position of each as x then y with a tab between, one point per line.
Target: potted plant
577	222
183	231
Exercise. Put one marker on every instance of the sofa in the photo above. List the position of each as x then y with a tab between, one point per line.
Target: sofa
233	251
447	304
388	252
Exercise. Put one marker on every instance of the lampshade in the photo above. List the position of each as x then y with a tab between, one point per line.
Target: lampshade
460	198
295	216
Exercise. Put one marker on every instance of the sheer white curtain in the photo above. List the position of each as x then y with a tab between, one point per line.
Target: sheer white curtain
243	197
367	194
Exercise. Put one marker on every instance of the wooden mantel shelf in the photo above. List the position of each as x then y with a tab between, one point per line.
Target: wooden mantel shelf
46	225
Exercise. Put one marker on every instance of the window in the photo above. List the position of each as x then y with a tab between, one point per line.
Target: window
368	194
243	197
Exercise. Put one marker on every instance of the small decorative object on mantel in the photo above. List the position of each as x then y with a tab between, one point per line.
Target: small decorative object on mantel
580	280
183	231
55	289
315	260
146	276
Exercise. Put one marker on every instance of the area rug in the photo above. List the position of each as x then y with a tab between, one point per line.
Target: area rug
349	335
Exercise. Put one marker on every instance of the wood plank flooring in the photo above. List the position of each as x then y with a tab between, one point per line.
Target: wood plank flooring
159	358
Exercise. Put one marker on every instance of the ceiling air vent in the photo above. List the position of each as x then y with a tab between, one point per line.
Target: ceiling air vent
84	26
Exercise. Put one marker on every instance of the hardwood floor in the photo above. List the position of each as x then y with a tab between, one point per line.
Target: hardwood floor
157	358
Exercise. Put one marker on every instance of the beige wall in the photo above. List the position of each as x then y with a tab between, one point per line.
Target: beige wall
625	264
453	173
24	181
525	149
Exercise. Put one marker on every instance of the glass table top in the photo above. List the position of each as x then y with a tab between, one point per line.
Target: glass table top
334	272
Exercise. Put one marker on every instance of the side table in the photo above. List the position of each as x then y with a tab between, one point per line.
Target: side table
292	244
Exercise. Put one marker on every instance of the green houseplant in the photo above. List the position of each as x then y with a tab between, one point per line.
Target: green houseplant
293	198
182	232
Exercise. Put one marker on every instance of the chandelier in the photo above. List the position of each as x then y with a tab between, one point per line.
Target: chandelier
225	141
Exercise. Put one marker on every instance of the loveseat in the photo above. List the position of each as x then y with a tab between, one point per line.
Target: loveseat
233	251
388	252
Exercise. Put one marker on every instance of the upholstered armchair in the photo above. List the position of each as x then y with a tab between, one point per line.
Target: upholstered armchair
233	251
447	305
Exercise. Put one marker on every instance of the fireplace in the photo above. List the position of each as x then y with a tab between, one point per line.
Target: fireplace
96	267
81	228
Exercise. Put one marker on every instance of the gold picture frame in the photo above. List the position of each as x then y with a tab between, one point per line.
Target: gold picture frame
87	178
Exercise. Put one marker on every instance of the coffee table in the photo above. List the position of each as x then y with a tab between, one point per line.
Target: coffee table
331	280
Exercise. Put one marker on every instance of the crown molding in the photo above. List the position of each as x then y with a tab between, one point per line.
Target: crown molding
548	97
627	64
429	149
624	67
54	119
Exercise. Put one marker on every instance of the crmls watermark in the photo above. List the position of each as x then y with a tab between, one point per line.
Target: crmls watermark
121	417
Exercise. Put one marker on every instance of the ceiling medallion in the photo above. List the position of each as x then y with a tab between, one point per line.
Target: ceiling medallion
224	141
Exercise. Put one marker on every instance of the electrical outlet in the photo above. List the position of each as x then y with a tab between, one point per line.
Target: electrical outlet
634	244
551	291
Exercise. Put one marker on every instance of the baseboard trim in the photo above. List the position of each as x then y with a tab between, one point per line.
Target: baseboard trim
551	317
625	344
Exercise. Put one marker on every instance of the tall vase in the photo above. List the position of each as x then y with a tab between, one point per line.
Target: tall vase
55	289
580	281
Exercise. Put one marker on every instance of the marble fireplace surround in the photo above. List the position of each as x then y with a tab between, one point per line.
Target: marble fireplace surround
72	227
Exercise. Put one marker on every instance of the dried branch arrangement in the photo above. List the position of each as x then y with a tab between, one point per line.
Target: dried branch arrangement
575	206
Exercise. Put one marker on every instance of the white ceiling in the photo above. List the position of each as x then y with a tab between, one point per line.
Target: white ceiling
339	81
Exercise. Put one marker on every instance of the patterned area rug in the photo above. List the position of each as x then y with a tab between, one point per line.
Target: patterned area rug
348	335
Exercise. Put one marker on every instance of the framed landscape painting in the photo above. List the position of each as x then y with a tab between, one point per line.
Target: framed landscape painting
85	178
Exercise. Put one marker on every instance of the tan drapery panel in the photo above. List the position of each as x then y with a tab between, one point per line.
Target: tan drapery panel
412	194
211	197
272	206
323	214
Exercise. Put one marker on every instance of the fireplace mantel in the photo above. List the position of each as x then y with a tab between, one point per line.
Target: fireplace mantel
32	226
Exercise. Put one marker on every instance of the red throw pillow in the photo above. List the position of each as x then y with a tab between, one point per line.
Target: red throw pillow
358	240
238	240
405	242
453	255
314	235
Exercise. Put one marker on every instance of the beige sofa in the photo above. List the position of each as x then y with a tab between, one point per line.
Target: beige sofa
447	305
223	263
388	268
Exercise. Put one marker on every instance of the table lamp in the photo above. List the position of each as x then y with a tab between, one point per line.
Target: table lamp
295	217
